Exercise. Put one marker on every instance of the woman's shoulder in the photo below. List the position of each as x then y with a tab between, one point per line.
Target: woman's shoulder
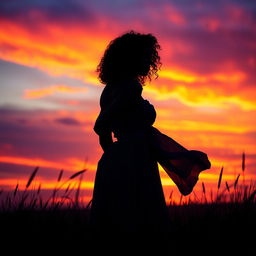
120	91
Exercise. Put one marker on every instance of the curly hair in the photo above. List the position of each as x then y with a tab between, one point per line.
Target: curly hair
132	55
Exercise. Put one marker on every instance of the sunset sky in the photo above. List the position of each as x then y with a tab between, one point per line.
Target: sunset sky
205	96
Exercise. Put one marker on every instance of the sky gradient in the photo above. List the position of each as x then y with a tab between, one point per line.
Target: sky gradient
205	96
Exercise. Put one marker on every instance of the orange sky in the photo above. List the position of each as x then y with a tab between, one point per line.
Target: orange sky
204	96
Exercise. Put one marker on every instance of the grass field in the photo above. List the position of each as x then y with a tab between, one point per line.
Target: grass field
224	221
223	227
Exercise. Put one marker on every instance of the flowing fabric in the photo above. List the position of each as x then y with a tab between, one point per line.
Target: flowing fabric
128	194
182	165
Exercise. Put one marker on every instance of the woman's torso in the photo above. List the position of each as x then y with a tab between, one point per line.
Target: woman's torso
131	114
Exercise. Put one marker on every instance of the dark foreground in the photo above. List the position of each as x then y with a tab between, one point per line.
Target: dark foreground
222	229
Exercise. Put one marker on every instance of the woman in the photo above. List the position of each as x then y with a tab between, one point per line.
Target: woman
128	194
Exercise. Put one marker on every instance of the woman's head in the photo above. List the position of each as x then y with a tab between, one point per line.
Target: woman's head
132	55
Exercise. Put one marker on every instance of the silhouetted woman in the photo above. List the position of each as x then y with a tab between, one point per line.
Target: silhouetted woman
128	194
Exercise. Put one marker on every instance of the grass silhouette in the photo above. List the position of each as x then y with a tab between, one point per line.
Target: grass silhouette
226	215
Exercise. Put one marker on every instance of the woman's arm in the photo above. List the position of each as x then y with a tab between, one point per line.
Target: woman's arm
105	140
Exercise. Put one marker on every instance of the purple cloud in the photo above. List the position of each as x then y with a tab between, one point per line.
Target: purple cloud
68	121
40	137
54	10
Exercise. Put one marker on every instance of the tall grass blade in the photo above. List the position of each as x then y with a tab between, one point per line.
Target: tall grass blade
203	186
16	189
60	175
170	198
32	176
181	197
77	173
67	189
41	202
243	166
236	181
227	186
220	177
89	204
243	161
39	189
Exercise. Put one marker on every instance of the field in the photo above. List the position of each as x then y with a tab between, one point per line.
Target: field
221	222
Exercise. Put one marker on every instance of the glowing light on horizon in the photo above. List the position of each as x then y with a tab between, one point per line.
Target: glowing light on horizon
42	92
69	163
48	184
199	97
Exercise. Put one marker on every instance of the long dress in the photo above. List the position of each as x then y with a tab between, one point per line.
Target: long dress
128	194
